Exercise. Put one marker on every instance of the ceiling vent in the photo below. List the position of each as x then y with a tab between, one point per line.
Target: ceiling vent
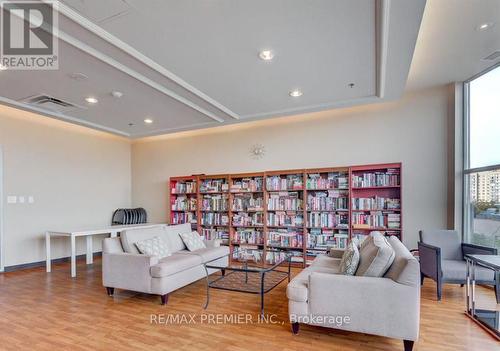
491	57
50	103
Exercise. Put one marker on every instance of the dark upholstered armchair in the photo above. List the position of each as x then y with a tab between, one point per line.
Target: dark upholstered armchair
442	259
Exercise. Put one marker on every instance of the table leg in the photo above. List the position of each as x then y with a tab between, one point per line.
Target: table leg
73	256
90	250
262	279
467	287
47	253
208	289
289	268
473	288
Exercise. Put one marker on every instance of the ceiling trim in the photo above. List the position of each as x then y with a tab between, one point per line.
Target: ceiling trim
105	35
382	19
132	73
173	130
60	116
315	108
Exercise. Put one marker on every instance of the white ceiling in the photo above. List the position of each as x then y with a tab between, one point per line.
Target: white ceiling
192	64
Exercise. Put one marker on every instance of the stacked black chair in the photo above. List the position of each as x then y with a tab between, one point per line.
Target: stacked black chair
129	216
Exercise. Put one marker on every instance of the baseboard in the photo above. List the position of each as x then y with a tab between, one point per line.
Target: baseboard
42	263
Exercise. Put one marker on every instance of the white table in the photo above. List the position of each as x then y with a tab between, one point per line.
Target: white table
87	233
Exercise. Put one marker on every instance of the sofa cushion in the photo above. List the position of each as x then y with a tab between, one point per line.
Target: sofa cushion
298	288
174	241
405	269
455	270
174	264
154	247
131	236
193	241
350	259
208	254
375	256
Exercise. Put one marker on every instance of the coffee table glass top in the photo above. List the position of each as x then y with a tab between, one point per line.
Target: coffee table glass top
252	259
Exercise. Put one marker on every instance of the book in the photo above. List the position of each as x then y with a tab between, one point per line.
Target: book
284	201
331	180
247	185
182	187
288	182
283	219
214	185
326	201
391	177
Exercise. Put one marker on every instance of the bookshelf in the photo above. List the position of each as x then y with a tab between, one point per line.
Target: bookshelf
376	200
213	210
304	211
184	200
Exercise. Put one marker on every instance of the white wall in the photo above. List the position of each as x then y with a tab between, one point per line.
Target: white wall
77	176
412	130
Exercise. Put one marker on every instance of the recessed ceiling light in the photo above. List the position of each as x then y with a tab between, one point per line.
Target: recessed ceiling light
148	120
266	55
91	100
295	93
116	94
484	26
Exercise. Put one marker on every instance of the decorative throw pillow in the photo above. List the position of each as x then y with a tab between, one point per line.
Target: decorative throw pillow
350	259
193	241
154	246
375	256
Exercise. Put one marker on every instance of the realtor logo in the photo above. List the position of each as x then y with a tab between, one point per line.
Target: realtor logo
28	39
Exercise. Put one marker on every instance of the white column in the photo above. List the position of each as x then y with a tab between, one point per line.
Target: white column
47	252
73	256
90	251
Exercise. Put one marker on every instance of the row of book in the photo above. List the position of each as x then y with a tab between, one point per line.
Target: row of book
215	233
183	217
326	240
184	203
247	184
246	219
327	220
246	202
376	203
284	201
284	238
214	203
326	201
273	257
248	236
389	178
378	219
214	218
283	219
183	187
213	185
332	180
290	182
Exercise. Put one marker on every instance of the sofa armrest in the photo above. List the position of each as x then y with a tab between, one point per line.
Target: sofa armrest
127	271
472	249
212	242
373	305
336	253
430	260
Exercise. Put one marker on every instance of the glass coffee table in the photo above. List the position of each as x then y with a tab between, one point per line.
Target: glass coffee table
250	270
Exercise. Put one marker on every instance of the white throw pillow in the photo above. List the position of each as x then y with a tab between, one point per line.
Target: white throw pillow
193	241
375	255
154	246
350	259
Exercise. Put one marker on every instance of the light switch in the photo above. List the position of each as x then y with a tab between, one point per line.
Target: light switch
12	199
21	199
31	200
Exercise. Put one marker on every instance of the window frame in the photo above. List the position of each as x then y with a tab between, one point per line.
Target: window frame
466	170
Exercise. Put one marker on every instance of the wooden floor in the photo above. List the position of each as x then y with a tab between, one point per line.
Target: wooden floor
40	311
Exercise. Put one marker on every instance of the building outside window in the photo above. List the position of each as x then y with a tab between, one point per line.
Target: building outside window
482	159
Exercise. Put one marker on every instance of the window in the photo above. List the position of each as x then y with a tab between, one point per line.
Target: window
482	159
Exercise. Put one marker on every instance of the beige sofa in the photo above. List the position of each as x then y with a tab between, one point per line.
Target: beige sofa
387	306
124	267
